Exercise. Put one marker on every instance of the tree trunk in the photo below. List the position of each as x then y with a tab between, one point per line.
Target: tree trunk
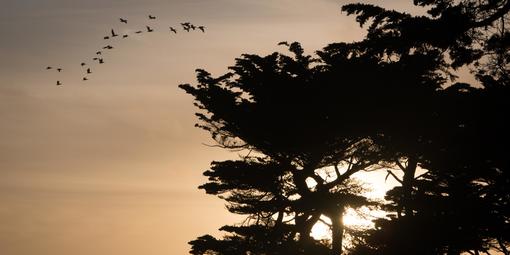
407	184
338	234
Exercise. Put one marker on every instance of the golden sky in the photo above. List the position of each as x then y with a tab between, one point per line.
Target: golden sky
112	165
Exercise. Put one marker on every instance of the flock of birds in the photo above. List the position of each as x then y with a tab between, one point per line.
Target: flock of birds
186	26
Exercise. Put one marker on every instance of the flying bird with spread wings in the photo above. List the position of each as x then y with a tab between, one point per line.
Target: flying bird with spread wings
186	26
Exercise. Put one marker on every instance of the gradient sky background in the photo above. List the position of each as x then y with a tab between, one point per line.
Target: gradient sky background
111	166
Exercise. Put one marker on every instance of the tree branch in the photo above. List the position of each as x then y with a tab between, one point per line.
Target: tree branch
498	14
400	165
394	176
503	247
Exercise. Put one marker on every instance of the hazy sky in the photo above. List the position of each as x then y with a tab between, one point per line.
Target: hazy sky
111	165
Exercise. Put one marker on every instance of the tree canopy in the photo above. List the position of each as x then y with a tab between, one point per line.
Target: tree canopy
386	103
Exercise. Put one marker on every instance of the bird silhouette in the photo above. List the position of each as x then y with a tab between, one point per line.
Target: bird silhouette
283	43
187	26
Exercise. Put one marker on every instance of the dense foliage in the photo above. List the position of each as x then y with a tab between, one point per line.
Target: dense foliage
386	103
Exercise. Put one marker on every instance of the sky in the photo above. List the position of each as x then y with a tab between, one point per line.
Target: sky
112	165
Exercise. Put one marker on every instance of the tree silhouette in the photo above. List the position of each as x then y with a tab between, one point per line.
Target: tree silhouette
286	109
450	205
307	124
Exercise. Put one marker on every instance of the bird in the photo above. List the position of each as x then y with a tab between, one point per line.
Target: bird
82	64
114	34
123	20
101	61
106	37
59	83
149	29
192	26
88	71
85	79
202	28
98	53
173	30
95	59
109	47
138	32
124	36
59	70
186	28
152	17
49	68
283	43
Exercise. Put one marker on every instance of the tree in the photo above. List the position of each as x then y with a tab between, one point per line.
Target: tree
288	110
285	109
459	174
309	123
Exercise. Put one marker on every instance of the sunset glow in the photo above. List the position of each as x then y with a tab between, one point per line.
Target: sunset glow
108	161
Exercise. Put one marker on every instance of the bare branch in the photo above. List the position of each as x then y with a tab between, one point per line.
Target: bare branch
394	176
